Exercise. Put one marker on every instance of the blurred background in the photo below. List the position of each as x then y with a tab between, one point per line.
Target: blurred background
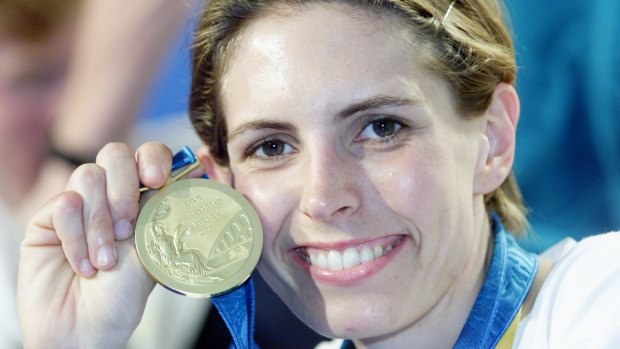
568	139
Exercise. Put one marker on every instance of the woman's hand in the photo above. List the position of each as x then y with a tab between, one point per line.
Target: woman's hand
81	284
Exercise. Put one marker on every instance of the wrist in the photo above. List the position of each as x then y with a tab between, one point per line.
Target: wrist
72	158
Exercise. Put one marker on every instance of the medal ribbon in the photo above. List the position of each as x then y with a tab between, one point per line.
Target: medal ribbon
184	157
499	301
494	318
236	307
237	310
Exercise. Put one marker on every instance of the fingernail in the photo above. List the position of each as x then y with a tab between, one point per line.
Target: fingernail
123	229
153	172
105	256
86	267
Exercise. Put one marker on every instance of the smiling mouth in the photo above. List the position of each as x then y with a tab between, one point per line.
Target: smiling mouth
350	257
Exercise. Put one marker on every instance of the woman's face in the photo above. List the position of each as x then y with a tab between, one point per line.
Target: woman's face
31	78
360	169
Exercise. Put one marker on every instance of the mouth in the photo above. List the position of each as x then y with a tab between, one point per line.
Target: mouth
348	257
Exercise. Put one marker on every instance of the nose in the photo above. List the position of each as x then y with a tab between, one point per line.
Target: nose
331	186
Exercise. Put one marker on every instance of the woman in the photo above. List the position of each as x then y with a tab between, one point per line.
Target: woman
375	140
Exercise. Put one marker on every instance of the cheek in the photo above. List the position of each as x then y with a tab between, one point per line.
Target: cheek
272	199
414	184
428	192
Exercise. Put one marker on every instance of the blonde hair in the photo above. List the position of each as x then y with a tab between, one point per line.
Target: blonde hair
470	47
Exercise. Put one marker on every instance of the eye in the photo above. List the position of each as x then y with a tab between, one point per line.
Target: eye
383	129
270	148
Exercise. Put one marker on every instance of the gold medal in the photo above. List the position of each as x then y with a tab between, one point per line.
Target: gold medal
198	237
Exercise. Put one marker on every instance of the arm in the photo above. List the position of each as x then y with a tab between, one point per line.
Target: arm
119	46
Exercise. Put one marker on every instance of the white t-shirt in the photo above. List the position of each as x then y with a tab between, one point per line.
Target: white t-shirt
578	306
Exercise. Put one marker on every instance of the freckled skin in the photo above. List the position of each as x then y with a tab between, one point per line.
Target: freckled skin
331	185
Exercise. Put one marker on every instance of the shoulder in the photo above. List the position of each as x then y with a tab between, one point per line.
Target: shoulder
594	259
578	305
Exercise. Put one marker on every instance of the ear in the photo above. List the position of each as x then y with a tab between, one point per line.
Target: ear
215	171
498	142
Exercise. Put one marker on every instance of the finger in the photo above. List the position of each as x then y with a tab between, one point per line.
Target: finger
69	224
40	230
154	162
122	187
60	222
89	181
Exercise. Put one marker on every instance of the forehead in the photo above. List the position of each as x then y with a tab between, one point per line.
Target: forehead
318	52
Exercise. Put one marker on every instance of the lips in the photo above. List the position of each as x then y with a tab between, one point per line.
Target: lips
343	258
346	264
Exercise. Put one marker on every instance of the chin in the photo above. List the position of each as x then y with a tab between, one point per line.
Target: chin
350	318
358	328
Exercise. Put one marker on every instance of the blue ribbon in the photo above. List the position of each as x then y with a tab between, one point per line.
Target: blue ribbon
508	281
183	158
237	310
236	307
505	287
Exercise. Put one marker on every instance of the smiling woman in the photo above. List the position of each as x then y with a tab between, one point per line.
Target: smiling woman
370	153
375	139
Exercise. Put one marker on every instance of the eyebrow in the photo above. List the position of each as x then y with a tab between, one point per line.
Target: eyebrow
367	104
260	125
375	102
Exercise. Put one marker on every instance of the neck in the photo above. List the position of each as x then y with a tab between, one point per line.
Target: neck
440	327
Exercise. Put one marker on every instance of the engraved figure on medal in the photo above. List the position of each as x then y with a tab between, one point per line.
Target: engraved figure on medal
198	237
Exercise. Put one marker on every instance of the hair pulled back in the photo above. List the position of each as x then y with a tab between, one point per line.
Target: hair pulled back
465	42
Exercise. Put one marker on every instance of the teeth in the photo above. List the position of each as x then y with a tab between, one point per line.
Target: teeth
351	257
366	255
313	259
321	261
378	250
334	260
